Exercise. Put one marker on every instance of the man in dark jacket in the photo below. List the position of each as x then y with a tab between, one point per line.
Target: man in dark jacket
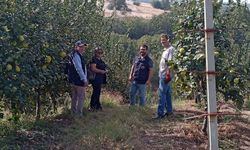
78	77
140	75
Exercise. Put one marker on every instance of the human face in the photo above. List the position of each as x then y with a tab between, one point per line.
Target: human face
80	49
99	53
164	42
143	51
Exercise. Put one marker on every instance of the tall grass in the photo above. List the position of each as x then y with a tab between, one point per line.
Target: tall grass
115	126
247	104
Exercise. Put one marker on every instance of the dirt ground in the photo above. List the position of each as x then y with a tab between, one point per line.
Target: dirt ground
177	133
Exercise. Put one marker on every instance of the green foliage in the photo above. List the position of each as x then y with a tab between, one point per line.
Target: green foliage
137	3
163	4
163	23
32	36
119	57
231	50
156	4
115	130
234	42
118	5
18	135
248	104
135	27
190	50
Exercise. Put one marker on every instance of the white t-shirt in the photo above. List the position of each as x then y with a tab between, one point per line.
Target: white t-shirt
165	57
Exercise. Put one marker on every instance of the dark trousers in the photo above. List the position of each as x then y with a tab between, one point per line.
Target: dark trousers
95	98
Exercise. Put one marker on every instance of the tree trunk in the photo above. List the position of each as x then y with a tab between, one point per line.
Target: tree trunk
38	106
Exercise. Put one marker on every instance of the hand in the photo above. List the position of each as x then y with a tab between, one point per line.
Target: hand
104	71
85	83
131	78
167	80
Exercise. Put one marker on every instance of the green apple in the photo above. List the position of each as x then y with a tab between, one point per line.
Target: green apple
18	69
44	67
62	54
21	38
182	50
9	67
236	80
48	59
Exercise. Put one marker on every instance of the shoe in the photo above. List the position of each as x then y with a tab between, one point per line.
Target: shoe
158	117
92	109
78	116
169	114
100	108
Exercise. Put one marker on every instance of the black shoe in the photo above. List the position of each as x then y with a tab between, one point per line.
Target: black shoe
158	117
99	108
169	114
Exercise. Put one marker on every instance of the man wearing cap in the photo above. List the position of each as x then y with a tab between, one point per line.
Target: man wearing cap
78	77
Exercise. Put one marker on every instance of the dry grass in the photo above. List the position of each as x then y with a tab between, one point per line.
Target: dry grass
122	127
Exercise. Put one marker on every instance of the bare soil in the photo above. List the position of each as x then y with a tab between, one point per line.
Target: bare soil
176	133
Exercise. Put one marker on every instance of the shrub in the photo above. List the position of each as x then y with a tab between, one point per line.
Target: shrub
118	5
137	3
156	4
164	4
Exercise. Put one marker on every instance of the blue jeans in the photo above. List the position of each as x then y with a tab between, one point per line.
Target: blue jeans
165	100
141	88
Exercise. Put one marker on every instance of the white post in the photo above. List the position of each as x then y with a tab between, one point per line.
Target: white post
210	75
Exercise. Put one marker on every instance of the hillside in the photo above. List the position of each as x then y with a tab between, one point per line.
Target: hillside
144	10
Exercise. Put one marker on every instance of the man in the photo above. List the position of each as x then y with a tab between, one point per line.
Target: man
140	75
78	77
165	100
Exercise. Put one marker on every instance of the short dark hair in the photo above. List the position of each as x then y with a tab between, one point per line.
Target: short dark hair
144	46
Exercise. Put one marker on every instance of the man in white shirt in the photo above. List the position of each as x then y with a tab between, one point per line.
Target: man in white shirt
165	100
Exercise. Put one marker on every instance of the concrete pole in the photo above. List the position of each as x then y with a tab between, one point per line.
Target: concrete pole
210	75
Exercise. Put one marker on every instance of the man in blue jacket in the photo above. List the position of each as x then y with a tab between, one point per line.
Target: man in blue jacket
77	75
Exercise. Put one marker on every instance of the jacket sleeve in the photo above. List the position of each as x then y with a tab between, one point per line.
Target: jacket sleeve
79	68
